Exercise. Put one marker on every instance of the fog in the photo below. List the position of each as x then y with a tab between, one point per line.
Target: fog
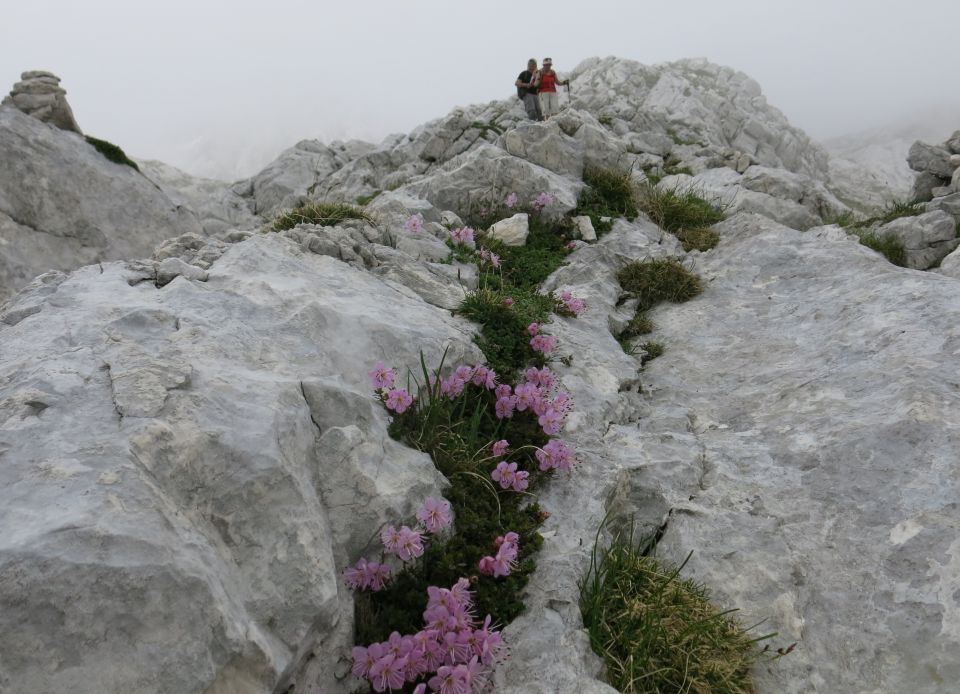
219	87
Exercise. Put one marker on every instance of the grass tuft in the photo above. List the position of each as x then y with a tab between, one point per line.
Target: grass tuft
322	213
664	279
609	193
887	244
698	238
659	633
364	200
652	351
674	210
111	152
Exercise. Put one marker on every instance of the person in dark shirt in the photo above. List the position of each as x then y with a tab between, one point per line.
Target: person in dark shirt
528	83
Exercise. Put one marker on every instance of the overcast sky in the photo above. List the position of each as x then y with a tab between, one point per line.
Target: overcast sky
220	86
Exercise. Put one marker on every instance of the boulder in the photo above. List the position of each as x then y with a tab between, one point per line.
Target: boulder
188	469
929	158
39	94
583	226
64	205
927	238
953	144
949	204
924	185
955	181
512	231
545	145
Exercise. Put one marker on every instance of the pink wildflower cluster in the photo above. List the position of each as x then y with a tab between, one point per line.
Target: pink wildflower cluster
574	305
479	375
542	200
509	477
382	379
505	560
541	343
511	200
414	224
538	393
508	302
462	236
555	455
453	652
489	257
405	542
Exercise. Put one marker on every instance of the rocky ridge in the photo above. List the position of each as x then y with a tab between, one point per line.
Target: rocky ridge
190	449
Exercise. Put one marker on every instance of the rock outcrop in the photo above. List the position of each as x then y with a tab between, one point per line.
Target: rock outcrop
190	455
39	94
64	205
936	166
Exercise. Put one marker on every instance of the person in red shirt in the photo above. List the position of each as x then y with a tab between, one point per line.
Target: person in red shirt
549	102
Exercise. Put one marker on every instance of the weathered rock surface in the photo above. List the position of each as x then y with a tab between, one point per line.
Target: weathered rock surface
39	94
63	205
927	238
187	469
214	204
512	231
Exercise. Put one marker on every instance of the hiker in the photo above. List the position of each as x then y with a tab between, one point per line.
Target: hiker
549	100
527	83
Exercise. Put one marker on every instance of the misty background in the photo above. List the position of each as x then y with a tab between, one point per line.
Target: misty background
219	88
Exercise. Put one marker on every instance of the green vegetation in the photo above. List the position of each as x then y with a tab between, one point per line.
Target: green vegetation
664	279
365	200
322	213
111	152
698	238
457	434
640	324
674	210
652	351
659	633
894	210
887	244
675	170
610	193
491	126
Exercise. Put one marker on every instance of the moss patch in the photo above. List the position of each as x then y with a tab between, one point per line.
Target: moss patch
663	279
698	238
322	213
111	152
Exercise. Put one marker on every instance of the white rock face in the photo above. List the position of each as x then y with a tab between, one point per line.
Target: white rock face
512	231
63	205
196	464
215	205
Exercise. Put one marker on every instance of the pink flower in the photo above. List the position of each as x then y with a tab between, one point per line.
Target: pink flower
376	576
486	566
398	400
511	200
526	395
381	377
387	673
500	447
505	407
543	343
452	387
508	302
355	576
414	224
574	305
551	421
505	473
521	481
390	537
434	514
488	256
533	329
542	200
462	236
572	245
365	658
555	455
502	391
544	378
420	689
482	376
449	680
411	544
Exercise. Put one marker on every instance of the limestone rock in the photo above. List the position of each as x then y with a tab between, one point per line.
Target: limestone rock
171	268
198	463
924	185
215	205
953	144
512	231
935	160
949	204
928	237
545	145
39	94
584	227
62	205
